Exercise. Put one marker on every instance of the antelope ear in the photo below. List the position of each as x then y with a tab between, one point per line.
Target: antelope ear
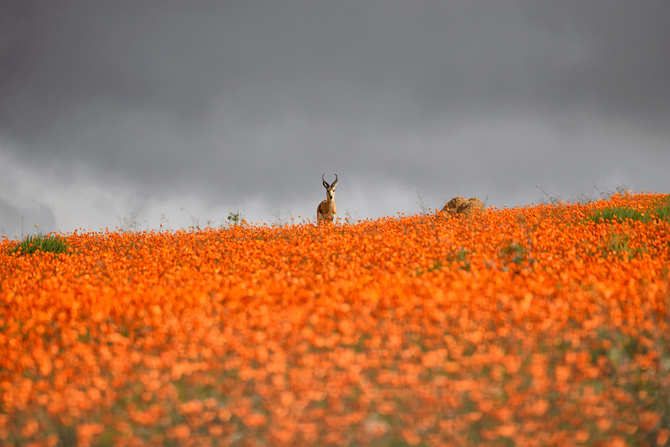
325	183
335	182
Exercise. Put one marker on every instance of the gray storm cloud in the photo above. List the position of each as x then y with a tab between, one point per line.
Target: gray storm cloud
151	106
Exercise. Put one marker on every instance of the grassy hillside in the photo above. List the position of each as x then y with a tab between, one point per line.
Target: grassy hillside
541	325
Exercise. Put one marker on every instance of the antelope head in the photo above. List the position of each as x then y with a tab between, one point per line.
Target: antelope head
330	189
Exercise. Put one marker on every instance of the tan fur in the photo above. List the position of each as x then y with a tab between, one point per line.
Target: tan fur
326	211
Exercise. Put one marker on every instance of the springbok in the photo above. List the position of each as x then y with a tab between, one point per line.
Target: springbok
327	210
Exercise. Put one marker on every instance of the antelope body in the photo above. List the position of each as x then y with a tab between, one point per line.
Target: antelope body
327	210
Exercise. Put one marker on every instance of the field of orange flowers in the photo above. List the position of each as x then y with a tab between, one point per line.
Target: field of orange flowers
525	326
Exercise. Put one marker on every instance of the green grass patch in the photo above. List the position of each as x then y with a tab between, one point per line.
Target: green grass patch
622	213
620	244
662	210
460	258
513	252
49	243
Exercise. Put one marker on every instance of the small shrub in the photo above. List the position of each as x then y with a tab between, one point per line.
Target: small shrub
235	218
49	243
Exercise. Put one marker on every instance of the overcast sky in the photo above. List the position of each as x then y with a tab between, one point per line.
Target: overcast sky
178	112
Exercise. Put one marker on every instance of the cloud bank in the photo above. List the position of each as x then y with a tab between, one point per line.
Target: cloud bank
165	111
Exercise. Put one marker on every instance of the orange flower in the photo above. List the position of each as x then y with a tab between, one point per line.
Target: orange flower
648	420
30	428
215	430
603	424
507	431
562	373
581	436
618	441
254	420
411	437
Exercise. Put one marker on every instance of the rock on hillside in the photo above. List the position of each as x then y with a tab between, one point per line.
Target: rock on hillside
460	205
